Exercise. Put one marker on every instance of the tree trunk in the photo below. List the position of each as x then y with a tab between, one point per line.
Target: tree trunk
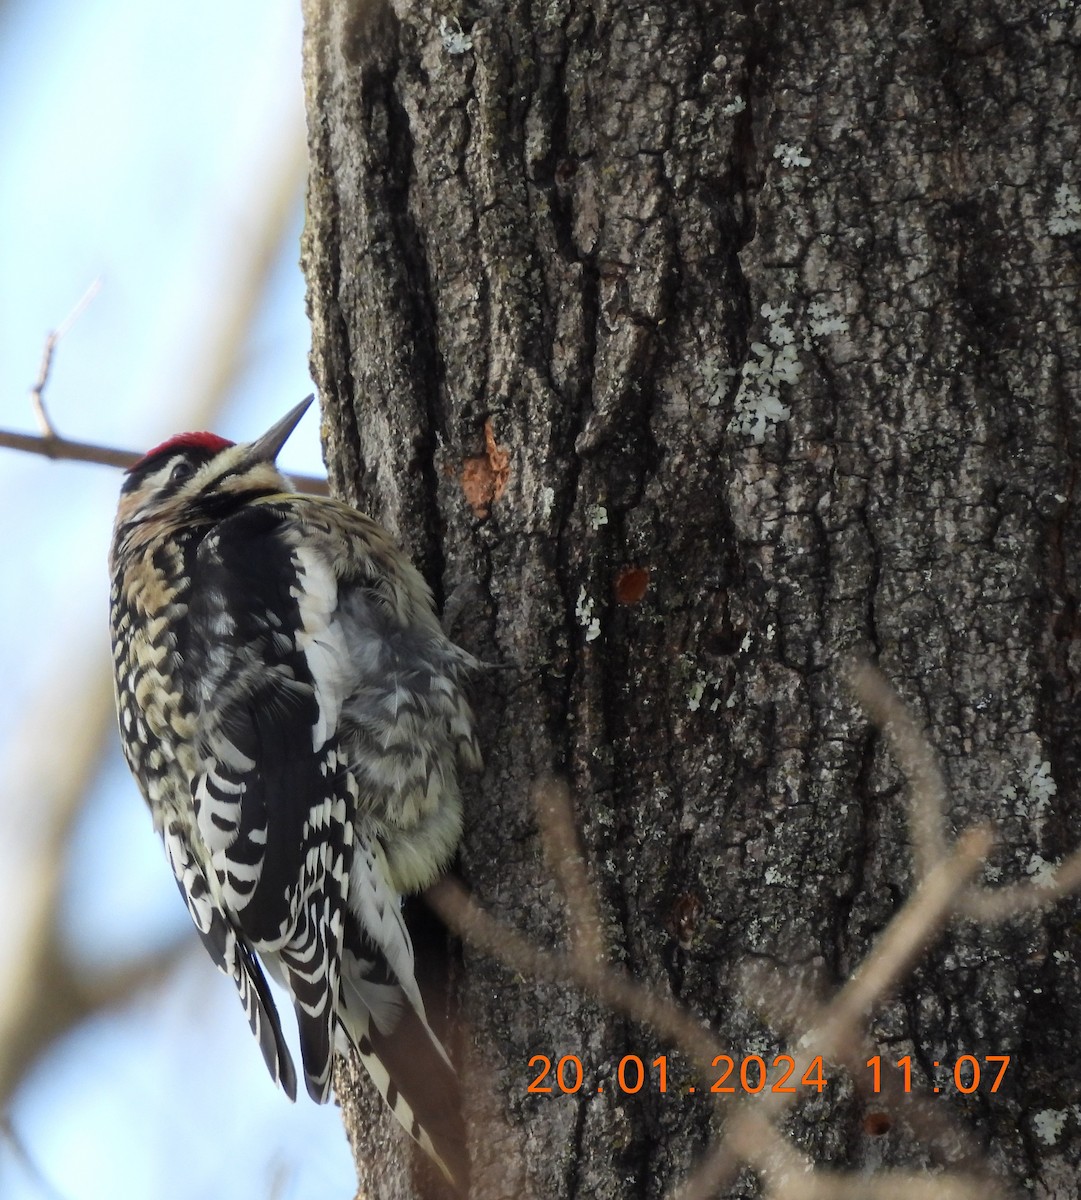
714	345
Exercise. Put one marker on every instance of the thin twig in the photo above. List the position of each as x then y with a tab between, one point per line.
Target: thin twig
230	332
927	803
37	392
465	917
790	1005
917	760
52	786
905	938
559	836
751	1135
999	904
888	1185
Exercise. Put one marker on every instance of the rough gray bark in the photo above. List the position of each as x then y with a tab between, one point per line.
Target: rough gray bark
779	304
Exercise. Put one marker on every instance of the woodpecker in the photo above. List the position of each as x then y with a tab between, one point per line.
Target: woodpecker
294	716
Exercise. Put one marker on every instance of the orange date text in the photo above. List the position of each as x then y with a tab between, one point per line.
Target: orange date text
748	1075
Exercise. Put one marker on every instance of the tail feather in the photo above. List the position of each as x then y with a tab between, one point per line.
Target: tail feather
381	1014
415	1077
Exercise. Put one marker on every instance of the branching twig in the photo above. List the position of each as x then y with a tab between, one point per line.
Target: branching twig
886	1185
37	392
751	1135
839	1027
837	1032
230	330
998	904
928	804
45	991
50	444
904	939
782	1002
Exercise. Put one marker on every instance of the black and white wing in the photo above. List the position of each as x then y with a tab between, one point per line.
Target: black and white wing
273	807
233	956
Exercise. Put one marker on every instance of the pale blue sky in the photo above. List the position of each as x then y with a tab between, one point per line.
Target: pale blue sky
140	142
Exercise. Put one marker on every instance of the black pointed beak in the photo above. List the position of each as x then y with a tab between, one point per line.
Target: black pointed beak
268	447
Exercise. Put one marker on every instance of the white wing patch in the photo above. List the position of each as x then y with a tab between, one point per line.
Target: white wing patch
321	638
378	909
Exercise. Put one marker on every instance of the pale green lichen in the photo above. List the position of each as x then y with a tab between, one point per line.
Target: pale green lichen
771	364
703	682
1039	783
716	378
1066	215
1038	787
1048	1124
774	364
455	40
583	611
822	320
1040	870
790	155
596	515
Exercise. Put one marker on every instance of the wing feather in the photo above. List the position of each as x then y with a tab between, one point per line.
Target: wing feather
270	799
233	956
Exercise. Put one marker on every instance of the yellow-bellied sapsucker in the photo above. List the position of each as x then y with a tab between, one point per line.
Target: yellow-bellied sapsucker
293	713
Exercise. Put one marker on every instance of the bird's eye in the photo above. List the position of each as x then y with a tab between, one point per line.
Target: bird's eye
181	472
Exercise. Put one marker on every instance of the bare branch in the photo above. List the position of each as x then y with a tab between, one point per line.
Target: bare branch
791	1004
903	940
66	450
837	1031
53	446
229	332
751	1136
43	993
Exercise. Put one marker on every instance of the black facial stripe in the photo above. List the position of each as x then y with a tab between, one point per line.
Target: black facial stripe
138	474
